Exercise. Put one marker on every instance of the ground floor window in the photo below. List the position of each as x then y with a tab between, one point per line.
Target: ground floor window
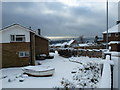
24	54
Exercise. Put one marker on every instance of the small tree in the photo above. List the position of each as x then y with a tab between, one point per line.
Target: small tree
96	39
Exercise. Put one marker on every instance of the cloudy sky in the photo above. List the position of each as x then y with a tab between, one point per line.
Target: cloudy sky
61	19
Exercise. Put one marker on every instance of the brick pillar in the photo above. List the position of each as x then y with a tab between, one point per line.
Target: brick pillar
32	48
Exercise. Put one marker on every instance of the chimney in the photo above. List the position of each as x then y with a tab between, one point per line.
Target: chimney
39	32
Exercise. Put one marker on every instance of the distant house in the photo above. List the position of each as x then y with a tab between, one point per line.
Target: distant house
113	34
113	37
72	43
20	45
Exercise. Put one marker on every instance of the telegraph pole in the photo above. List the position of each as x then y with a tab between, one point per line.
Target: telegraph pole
107	24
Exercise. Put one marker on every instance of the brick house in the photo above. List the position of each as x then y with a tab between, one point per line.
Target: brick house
113	37
20	45
113	34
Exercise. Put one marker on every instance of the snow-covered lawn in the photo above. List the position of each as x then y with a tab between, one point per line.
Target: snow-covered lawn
63	68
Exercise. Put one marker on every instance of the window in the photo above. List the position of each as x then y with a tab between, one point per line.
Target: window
12	37
24	54
17	38
109	35
116	34
20	38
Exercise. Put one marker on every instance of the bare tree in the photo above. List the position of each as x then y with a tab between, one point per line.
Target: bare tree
81	39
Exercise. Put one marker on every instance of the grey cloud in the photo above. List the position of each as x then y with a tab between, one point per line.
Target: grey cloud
62	22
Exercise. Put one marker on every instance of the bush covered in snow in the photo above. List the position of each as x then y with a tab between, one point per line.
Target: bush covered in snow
87	76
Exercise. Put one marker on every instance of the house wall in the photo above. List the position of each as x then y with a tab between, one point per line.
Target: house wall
115	47
10	54
16	30
10	50
41	46
112	38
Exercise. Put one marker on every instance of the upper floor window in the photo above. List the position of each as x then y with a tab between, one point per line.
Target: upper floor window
109	35
116	34
17	38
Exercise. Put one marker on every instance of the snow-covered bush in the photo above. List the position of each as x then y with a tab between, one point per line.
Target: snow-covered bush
86	76
67	84
24	76
21	79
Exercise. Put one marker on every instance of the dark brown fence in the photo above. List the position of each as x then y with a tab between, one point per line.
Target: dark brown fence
80	52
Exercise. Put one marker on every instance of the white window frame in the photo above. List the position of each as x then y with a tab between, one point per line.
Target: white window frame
15	38
24	54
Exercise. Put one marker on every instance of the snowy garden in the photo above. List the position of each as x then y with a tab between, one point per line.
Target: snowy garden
74	72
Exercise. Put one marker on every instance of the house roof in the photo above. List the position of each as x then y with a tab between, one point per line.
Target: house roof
70	42
114	29
114	42
42	37
65	43
26	28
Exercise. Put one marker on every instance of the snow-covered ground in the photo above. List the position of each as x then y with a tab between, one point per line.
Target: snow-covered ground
63	68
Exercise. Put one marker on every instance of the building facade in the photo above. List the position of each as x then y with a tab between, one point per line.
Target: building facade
19	45
113	38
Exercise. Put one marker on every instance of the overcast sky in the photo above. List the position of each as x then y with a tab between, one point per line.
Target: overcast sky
61	18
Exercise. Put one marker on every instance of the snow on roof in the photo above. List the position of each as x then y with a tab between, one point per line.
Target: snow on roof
70	42
114	42
65	43
13	25
26	28
42	37
84	44
58	44
114	29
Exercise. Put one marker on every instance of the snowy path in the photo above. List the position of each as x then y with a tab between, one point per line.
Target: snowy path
63	68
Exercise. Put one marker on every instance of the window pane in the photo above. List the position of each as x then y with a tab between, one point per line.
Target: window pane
20	38
21	54
24	54
116	34
109	35
12	37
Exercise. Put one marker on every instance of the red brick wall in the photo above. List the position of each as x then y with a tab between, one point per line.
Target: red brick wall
41	45
112	38
10	54
115	47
